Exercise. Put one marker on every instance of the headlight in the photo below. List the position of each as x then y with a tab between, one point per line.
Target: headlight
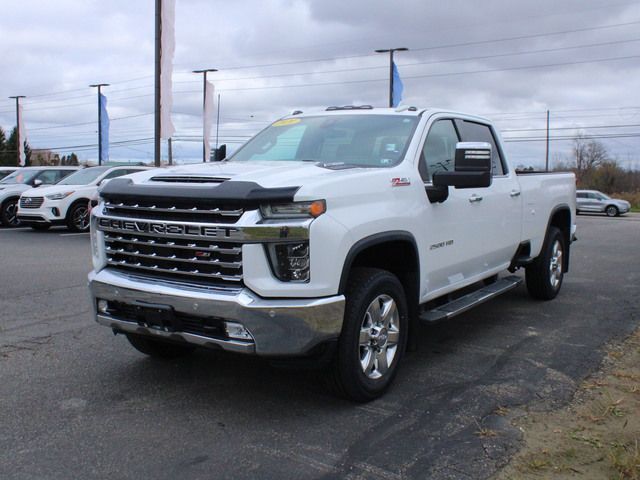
294	210
290	261
58	196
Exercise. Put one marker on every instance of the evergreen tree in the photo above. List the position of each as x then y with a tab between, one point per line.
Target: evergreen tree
3	147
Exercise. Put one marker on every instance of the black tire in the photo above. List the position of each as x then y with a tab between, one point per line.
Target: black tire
40	227
367	290
158	348
78	217
8	212
611	211
544	275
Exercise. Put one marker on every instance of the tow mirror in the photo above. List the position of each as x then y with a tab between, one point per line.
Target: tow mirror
472	170
472	167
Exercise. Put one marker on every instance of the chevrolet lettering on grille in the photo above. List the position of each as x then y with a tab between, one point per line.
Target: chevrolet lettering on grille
162	228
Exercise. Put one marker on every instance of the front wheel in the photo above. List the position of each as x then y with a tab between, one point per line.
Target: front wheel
78	217
158	348
374	335
544	275
611	211
9	213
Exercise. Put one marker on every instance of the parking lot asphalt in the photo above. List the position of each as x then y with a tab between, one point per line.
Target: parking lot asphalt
78	402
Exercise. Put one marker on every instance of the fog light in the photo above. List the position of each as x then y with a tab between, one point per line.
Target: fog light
55	212
103	306
236	330
290	261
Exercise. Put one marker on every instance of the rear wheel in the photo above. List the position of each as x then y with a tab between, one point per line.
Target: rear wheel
78	217
158	348
611	211
9	213
544	275
374	335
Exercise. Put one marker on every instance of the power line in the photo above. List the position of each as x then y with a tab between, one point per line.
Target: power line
569	128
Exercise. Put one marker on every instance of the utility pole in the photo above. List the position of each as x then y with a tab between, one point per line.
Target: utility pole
217	122
169	152
99	86
391	52
547	156
204	104
158	69
18	139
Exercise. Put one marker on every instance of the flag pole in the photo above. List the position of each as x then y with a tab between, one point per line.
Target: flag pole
158	70
391	52
204	106
18	139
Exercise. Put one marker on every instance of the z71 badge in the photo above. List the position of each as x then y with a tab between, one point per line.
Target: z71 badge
400	182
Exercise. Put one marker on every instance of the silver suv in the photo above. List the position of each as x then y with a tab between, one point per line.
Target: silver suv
595	201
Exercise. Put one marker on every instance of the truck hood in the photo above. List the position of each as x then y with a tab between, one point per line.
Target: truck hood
268	174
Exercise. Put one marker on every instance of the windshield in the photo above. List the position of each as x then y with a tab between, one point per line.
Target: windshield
359	140
602	196
20	176
84	177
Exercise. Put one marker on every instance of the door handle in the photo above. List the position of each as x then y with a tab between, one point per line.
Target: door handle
475	198
515	193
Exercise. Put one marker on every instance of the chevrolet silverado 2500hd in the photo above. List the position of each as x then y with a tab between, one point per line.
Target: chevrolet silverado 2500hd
327	235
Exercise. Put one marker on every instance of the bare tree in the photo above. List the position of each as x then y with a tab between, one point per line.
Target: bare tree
588	154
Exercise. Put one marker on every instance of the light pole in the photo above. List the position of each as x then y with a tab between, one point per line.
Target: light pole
18	97
204	105
391	52
99	86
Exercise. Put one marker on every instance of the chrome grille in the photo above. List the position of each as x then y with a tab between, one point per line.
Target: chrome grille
169	210
183	259
31	202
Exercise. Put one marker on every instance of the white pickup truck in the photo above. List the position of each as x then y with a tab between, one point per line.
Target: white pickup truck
328	236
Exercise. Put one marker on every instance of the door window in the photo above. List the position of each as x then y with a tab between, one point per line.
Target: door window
439	149
49	177
478	132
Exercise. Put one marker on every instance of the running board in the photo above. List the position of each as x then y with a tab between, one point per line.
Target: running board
462	304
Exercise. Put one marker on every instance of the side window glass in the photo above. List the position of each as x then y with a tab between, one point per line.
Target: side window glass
115	173
439	149
49	177
477	132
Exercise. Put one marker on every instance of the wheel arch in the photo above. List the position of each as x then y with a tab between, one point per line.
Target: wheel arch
74	203
396	252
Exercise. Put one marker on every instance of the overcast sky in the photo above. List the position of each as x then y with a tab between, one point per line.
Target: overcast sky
508	60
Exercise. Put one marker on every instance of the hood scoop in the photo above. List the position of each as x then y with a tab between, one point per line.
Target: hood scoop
188	179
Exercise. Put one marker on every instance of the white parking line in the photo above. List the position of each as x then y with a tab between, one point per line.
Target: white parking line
73	234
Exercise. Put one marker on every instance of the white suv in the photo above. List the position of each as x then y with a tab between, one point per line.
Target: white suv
67	202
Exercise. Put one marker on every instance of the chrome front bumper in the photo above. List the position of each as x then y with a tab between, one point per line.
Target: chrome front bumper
279	327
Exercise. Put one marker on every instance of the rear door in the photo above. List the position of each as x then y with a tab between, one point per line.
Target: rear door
498	207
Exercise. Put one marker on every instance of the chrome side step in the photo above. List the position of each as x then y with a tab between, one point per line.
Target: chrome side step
462	304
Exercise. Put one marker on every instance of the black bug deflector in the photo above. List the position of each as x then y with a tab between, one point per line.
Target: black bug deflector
228	192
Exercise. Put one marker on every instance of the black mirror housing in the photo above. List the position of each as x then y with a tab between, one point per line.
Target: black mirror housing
472	167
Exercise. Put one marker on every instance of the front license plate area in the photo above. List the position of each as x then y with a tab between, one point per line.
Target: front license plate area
158	317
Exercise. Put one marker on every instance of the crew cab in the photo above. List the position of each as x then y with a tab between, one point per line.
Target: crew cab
67	202
22	179
329	236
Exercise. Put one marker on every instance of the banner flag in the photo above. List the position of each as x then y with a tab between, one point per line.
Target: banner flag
398	87
104	133
207	119
167	47
22	138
